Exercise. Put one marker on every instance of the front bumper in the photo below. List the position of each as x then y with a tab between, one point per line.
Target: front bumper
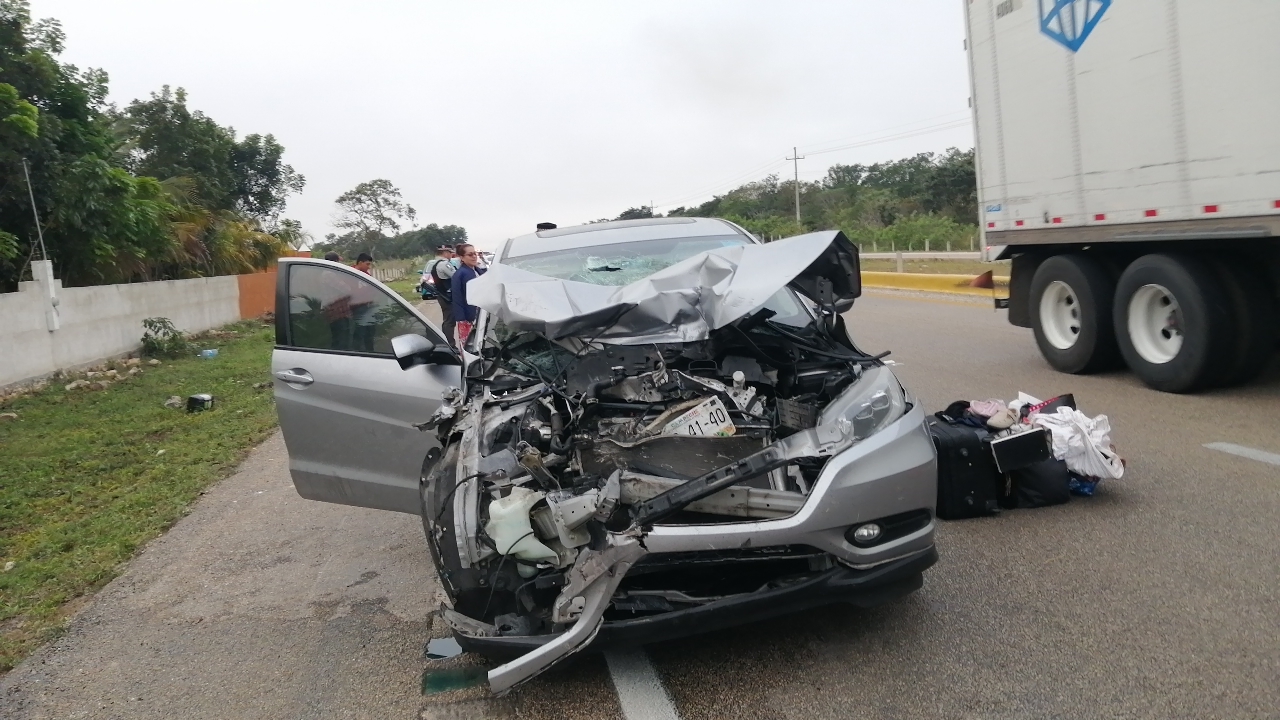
891	472
841	584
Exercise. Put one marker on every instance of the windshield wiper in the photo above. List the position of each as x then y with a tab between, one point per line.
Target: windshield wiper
604	268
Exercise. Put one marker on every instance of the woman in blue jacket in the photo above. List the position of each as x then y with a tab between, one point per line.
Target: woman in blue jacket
463	313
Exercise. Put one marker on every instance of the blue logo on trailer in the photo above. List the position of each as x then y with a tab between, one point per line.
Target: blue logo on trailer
1069	22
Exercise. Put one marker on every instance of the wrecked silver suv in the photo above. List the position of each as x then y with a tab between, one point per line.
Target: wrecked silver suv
662	428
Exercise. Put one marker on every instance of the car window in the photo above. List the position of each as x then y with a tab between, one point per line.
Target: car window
331	309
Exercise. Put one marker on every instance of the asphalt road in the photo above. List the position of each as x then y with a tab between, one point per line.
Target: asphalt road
1157	598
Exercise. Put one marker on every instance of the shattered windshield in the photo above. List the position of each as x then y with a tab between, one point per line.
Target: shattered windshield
620	264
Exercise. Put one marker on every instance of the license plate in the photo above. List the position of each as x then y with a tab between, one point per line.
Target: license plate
708	419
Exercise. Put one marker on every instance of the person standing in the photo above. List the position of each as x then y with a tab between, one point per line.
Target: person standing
465	315
363	305
441	270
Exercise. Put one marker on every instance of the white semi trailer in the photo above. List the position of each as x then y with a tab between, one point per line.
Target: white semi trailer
1128	159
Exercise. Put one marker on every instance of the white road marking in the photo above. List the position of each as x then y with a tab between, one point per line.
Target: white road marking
640	690
1245	452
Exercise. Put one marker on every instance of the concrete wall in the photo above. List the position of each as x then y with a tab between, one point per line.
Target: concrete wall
87	324
257	293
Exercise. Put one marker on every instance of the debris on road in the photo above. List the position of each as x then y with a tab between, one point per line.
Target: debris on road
442	648
973	478
199	402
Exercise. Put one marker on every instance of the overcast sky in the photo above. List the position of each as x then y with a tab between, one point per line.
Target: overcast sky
499	115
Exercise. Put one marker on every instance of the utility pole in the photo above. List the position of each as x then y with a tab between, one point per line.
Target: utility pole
32	194
796	158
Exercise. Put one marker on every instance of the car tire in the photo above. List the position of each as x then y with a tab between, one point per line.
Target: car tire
1173	322
1257	318
1071	314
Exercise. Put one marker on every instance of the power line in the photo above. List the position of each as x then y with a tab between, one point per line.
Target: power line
750	173
899	136
902	127
874	139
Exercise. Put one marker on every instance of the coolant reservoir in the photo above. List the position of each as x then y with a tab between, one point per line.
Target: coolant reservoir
509	526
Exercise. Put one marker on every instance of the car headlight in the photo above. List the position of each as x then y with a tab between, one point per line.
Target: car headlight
870	405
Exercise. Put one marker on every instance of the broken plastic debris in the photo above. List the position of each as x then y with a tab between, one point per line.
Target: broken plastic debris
199	401
443	648
438	680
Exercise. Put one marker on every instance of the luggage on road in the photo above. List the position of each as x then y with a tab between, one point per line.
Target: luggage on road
968	482
1025	454
1042	484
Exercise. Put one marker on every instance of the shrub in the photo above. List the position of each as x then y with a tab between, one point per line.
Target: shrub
162	339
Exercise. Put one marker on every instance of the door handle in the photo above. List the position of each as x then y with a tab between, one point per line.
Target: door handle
296	376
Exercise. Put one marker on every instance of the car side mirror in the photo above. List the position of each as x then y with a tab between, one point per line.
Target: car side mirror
413	350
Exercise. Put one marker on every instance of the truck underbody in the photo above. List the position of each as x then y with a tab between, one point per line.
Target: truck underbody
1188	307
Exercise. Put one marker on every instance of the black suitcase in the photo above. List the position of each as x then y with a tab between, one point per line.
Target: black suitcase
968	483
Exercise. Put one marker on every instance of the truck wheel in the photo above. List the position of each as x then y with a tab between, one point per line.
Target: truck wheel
1257	320
1173	322
1071	314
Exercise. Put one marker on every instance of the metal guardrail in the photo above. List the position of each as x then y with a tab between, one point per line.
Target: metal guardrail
389	274
922	255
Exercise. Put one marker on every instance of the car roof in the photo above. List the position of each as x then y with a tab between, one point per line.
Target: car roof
618	231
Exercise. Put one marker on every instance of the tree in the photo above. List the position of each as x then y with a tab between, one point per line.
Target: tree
414	243
644	211
162	138
154	192
19	125
904	202
98	218
263	182
291	232
371	211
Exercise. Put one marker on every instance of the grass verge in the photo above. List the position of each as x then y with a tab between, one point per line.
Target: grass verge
954	267
405	286
88	476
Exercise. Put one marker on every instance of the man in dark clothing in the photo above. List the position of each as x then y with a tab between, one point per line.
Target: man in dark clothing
441	271
363	307
465	314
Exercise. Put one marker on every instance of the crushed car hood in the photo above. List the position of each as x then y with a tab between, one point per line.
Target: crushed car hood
681	303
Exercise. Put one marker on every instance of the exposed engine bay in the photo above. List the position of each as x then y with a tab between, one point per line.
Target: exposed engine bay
563	453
